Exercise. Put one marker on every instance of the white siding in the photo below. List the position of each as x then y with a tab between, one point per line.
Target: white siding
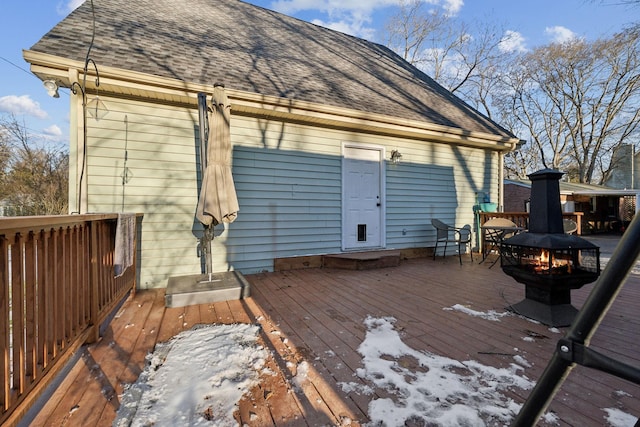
288	180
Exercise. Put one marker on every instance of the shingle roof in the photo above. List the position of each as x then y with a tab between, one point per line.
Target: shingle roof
253	49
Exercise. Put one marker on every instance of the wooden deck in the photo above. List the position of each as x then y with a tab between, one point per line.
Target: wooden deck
316	315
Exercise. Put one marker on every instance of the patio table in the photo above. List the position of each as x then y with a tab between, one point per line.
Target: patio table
494	235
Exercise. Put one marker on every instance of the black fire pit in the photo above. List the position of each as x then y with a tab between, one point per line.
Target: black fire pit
547	261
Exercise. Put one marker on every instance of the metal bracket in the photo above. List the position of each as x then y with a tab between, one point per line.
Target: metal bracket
577	352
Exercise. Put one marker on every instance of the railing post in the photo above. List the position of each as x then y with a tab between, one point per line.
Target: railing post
5	347
579	221
94	268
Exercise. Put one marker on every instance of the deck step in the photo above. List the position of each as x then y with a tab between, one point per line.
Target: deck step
198	289
362	260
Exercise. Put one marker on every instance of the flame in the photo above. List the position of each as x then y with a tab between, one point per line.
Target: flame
546	262
544	257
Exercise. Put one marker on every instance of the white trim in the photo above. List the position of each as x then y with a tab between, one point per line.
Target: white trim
137	84
383	194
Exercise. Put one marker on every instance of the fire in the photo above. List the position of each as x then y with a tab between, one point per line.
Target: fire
546	262
544	257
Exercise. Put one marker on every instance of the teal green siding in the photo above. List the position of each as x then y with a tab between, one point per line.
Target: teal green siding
288	181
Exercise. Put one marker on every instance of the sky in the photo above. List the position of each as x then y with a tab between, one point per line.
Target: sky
207	370
529	24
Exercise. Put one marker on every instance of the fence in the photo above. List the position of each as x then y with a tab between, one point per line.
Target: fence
57	286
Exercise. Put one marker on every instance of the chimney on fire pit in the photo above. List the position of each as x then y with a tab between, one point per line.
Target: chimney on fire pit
545	210
546	260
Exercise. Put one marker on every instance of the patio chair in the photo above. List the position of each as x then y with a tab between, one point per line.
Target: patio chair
569	226
447	234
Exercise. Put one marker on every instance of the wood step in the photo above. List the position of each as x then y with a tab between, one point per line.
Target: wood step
198	289
362	260
318	261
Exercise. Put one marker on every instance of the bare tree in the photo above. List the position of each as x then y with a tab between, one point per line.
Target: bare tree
574	102
461	57
410	31
577	101
34	177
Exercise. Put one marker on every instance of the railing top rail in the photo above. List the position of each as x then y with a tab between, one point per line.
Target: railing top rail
37	223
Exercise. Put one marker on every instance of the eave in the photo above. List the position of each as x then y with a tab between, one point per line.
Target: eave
124	83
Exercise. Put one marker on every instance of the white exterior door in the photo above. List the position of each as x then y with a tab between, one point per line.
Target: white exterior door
363	197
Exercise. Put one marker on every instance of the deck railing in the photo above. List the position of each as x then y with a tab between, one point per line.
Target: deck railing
57	286
521	219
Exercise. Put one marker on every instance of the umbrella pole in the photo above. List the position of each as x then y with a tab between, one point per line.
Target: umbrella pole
205	251
208	259
207	236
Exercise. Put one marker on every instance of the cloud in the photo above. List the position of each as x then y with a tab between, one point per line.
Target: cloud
351	16
330	7
452	7
560	34
53	134
53	131
22	105
68	6
512	41
342	26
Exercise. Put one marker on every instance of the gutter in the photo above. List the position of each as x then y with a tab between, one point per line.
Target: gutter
132	84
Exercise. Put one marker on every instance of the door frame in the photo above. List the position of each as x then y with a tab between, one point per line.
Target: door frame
383	196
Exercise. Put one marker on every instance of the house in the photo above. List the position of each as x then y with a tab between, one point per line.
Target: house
315	116
603	209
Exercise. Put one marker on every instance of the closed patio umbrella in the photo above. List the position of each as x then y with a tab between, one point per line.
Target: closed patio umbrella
217	202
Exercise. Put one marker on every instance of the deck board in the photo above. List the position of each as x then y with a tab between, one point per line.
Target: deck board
317	316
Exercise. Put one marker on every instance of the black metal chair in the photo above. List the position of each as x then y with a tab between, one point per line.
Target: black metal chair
569	226
447	234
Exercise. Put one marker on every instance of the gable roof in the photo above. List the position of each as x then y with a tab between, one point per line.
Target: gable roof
253	49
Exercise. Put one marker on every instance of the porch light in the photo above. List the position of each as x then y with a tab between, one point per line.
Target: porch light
396	156
52	88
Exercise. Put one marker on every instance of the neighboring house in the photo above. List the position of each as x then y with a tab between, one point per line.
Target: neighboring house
604	209
315	115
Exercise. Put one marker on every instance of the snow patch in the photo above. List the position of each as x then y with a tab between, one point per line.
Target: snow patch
195	379
427	388
492	315
617	418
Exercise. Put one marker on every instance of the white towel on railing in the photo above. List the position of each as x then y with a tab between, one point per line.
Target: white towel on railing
125	237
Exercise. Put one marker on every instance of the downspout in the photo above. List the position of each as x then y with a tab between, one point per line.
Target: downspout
500	181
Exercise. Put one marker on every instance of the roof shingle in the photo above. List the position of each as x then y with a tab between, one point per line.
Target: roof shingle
257	50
